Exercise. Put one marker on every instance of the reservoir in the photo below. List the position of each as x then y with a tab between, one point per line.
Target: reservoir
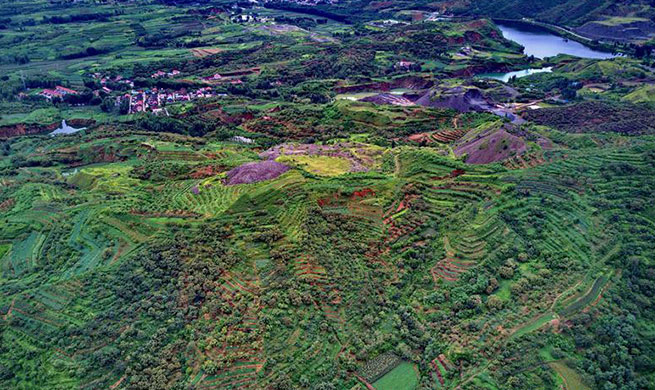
541	43
505	77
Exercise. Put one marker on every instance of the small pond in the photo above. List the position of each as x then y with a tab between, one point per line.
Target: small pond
65	129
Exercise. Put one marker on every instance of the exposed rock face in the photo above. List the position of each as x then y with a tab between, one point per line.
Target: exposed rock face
492	147
254	172
411	82
632	31
597	116
25	129
387	98
20	129
80	122
460	99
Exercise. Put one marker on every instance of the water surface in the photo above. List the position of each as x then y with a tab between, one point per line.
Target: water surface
541	43
65	129
505	77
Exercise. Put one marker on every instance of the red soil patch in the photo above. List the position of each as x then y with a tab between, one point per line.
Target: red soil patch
447	365
368	385
438	372
337	297
121	249
473	36
443	137
332	315
366	192
404	203
455	173
25	129
204	172
443	361
476	24
525	161
201	53
118	383
306	268
376	5
492	147
166	214
449	269
7	204
328	200
11	307
395	232
232	285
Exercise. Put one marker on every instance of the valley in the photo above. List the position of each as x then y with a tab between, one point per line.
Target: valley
358	195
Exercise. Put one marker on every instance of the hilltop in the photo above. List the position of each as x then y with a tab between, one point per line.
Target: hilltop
366	195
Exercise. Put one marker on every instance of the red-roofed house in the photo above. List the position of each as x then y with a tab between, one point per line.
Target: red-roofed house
51	93
65	91
59	91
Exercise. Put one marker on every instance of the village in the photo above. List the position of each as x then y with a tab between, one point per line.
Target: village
153	99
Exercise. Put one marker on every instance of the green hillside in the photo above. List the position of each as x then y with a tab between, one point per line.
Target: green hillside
332	196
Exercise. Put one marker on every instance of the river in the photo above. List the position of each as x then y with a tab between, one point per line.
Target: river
506	77
541	43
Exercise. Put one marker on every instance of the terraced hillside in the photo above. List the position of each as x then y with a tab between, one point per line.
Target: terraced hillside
299	278
357	195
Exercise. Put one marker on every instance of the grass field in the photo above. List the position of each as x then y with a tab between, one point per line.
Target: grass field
571	379
534	324
319	165
4	248
644	94
617	21
403	377
129	259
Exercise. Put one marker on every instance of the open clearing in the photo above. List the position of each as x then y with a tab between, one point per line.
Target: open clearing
402	377
571	379
320	165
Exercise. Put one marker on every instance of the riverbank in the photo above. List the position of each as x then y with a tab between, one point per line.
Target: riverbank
565	33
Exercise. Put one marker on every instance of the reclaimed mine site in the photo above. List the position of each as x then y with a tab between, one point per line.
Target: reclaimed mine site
327	195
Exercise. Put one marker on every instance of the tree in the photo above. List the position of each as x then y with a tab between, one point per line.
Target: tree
506	272
107	104
124	107
494	303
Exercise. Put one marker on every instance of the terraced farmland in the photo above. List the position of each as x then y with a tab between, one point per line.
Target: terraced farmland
322	196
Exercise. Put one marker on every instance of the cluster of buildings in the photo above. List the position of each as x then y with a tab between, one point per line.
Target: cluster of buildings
145	99
299	2
161	74
385	23
437	17
57	92
155	100
465	51
217	78
404	65
107	79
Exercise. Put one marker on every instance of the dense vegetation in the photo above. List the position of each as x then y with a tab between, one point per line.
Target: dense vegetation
563	12
321	197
